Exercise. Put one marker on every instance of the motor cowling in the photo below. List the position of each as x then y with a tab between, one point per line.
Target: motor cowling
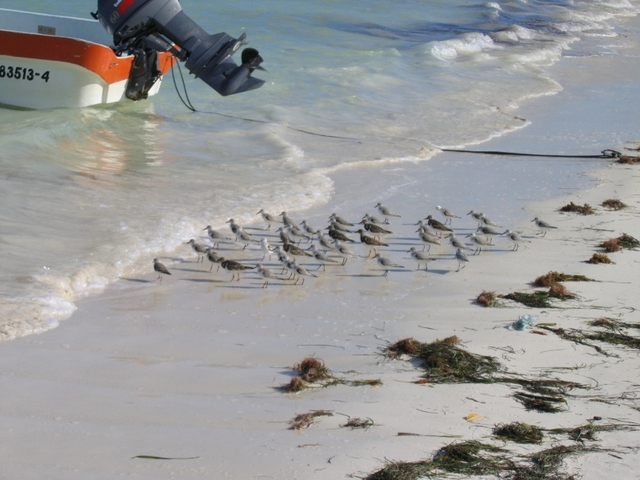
208	57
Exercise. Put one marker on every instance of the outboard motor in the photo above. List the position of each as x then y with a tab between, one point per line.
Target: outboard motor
161	24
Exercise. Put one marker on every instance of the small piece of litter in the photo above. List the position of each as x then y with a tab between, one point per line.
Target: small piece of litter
473	417
524	322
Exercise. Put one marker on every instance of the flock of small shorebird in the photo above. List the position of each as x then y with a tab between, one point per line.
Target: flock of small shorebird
333	247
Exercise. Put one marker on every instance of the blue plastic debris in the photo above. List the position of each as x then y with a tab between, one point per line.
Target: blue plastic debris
524	322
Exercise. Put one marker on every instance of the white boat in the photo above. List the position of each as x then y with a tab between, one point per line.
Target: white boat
52	61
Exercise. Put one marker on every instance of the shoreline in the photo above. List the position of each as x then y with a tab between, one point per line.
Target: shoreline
191	367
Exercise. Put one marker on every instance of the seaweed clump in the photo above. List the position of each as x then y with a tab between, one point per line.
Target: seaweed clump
305	420
614	204
537	299
469	458
312	373
585	209
598	258
518	432
628	160
551	278
487	299
445	362
617	244
356	422
586	338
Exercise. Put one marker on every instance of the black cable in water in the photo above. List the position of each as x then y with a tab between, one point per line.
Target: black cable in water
604	154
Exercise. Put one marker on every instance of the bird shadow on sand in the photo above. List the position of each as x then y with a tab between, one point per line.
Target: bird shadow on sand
138	280
204	280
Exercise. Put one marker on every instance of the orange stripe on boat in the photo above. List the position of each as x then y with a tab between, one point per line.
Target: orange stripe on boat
92	56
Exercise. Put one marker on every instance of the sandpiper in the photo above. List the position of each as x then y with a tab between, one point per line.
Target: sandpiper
457	243
515	238
295	250
199	248
371	241
487	230
215	235
477	215
462	258
267	217
385	211
286	219
479	242
300	272
337	235
308	228
325	242
386	264
374	228
266	274
433	223
341	220
419	257
428	239
487	221
543	226
448	214
371	219
233	267
321	257
160	268
344	251
214	257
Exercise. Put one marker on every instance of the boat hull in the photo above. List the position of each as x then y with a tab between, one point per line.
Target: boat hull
40	71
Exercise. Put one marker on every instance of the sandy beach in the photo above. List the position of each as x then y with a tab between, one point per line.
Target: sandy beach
182	378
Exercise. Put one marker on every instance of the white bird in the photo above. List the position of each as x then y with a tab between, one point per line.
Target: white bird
462	258
385	211
542	225
199	248
267	217
479	242
386	264
515	238
448	214
160	268
266	248
419	257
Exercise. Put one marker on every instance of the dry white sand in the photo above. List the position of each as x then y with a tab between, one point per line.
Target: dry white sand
189	368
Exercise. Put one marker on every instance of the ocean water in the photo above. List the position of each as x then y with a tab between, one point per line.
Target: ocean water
92	195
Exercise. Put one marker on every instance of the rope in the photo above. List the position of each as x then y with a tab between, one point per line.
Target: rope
604	154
